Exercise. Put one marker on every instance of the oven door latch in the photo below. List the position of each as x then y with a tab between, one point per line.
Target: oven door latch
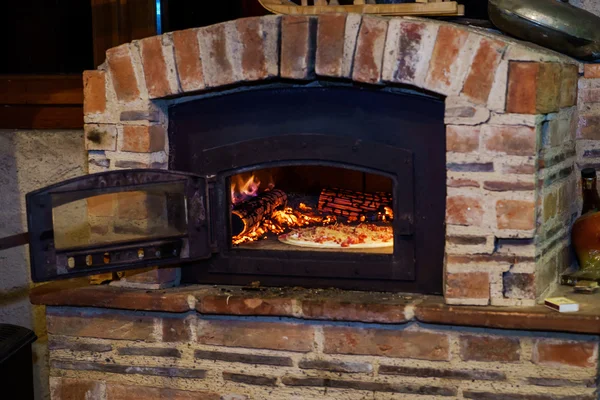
404	224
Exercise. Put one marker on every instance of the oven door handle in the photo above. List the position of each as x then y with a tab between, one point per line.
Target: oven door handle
8	242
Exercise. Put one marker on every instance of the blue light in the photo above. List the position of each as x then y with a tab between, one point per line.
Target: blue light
158	18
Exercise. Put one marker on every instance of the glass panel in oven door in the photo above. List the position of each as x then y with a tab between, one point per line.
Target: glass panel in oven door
117	220
117	215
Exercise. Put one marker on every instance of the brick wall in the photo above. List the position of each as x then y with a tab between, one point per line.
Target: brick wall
108	355
509	115
588	124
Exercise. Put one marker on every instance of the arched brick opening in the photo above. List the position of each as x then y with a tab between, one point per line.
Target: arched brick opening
509	108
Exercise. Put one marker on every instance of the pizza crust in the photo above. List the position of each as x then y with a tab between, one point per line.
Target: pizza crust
289	239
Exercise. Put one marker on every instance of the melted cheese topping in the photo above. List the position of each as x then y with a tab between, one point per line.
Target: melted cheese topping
344	235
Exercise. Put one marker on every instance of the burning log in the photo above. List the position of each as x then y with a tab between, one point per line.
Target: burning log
247	215
350	203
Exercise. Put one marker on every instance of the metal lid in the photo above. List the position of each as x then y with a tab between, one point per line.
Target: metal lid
553	24
588	173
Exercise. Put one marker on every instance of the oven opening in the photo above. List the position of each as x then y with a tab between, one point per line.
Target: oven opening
311	208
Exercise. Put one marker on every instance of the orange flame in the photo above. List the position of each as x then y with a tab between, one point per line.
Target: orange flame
387	214
242	190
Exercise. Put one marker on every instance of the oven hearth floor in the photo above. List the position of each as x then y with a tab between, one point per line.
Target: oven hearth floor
323	304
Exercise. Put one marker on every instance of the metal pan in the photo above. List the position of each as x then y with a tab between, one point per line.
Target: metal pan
550	23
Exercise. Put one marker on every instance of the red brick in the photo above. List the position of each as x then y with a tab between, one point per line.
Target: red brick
522	169
187	58
589	126
241	305
590	95
449	42
254	63
470	285
94	92
463	210
336	310
533	88
559	354
298	37
465	240
383	342
512	140
481	76
522	87
144	139
103	324
591	71
410	51
124	392
155	67
500	186
568	89
256	335
368	57
457	183
101	206
215	48
120	65
515	214
75	389
176	329
330	44
64	293
462	138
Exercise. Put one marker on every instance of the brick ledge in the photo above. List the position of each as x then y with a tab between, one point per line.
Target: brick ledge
319	304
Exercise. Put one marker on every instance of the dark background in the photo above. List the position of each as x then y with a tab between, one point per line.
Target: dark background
56	36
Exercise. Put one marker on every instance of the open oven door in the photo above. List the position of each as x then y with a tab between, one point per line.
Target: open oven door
117	220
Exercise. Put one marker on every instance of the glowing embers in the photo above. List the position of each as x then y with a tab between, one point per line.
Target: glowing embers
278	222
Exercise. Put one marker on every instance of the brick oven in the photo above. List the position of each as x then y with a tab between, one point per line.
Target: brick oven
471	136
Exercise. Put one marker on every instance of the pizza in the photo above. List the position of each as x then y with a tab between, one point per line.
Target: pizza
362	236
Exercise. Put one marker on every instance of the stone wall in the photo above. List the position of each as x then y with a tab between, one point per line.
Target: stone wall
30	160
111	354
509	107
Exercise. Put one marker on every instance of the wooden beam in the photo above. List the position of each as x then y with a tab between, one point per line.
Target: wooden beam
41	117
41	89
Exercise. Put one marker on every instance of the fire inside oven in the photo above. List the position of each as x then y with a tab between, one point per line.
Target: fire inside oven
312	208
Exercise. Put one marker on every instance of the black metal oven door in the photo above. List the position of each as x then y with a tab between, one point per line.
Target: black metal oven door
117	220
